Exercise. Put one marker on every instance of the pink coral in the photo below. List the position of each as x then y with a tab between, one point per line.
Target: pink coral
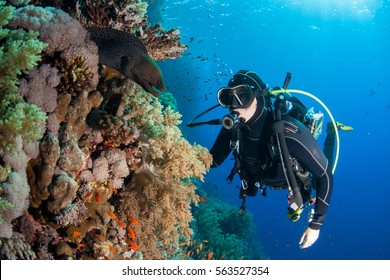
111	164
64	34
52	124
39	87
117	161
100	169
16	188
16	191
73	214
29	227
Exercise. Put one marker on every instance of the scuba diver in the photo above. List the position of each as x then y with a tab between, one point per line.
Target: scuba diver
273	147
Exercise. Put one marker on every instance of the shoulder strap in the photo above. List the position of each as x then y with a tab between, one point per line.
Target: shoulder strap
295	196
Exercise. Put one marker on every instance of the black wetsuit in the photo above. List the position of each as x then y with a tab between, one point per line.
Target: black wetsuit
258	163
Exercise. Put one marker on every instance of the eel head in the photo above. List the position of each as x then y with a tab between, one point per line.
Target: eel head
149	76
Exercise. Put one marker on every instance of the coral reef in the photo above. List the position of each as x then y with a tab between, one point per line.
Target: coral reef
20	49
91	165
129	16
222	233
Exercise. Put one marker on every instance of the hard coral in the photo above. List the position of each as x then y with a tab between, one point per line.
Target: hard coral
130	16
163	44
49	153
63	192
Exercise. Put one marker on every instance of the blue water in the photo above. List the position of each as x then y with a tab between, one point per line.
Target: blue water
337	50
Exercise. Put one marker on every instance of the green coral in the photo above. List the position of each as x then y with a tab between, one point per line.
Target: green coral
228	234
4	205
19	48
5	170
19	118
19	53
144	111
167	100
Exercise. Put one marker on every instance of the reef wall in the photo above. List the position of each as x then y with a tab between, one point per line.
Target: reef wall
91	165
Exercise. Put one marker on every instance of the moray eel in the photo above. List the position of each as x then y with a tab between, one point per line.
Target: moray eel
127	54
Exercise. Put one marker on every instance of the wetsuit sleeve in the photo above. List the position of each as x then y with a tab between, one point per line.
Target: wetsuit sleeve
303	146
221	148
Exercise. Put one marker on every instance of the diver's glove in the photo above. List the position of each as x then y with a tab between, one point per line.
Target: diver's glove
309	237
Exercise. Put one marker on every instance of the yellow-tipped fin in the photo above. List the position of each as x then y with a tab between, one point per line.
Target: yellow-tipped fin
344	127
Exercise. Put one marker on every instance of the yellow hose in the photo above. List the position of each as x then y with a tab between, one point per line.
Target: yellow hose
274	92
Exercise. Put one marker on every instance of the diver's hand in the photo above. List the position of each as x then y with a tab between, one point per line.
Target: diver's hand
309	237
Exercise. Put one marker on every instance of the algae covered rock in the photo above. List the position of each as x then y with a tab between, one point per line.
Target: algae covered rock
63	191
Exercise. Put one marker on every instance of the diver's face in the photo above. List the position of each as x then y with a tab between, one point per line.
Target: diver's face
247	113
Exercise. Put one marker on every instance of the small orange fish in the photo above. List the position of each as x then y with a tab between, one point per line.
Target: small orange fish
133	220
98	197
112	249
131	232
114	190
76	233
112	215
210	255
101	237
122	225
203	199
133	245
182	244
87	196
80	246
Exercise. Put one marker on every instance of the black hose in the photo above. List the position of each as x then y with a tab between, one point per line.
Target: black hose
292	183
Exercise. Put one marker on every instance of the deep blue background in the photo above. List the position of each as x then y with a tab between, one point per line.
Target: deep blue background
337	50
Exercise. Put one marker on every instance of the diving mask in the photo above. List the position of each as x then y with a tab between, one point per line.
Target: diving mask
240	96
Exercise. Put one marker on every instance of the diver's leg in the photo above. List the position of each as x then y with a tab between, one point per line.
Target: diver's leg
329	143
